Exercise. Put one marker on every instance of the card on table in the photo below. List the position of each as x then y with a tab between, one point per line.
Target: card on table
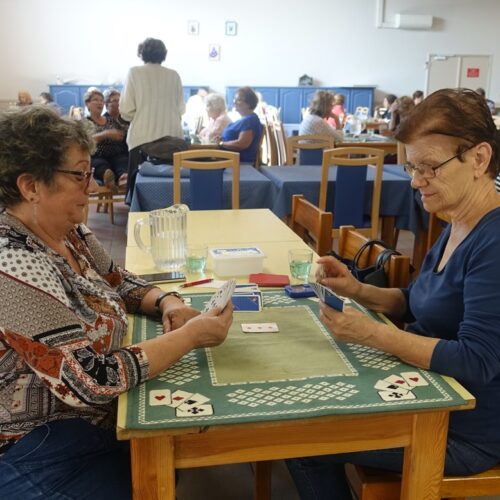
160	397
383	385
259	327
195	411
414	379
221	297
397	395
193	400
398	380
178	397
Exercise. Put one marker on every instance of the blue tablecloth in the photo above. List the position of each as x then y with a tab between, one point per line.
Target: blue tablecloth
151	192
397	197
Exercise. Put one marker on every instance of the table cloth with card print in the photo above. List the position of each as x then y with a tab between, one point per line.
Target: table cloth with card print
296	373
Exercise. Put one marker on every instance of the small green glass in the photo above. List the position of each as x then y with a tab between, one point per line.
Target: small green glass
196	259
300	261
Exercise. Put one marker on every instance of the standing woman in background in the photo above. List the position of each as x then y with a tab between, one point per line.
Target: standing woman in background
152	100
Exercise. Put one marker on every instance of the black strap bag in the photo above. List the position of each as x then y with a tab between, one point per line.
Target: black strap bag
162	150
373	275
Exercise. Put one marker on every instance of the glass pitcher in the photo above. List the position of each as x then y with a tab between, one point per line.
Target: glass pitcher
168	231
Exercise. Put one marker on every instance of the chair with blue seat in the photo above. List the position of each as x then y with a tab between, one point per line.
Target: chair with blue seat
351	185
206	177
310	148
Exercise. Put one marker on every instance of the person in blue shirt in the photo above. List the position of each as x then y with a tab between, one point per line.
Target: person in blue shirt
452	309
244	135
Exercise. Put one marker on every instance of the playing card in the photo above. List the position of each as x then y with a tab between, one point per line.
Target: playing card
159	397
398	380
221	297
195	411
334	301
414	379
383	385
399	395
259	327
178	397
194	400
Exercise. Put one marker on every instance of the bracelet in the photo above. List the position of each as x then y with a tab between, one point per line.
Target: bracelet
221	144
166	294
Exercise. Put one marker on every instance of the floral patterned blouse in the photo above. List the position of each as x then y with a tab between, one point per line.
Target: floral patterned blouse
61	332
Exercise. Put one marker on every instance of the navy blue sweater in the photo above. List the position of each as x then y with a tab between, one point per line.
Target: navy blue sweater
461	306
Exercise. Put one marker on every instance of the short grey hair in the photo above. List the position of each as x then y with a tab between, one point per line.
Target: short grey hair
216	102
36	140
109	93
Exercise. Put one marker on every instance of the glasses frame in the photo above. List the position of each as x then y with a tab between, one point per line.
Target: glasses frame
83	175
411	170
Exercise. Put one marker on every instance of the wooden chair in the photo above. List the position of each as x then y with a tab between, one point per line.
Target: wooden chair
398	268
350	186
105	199
280	140
375	484
312	224
307	143
269	147
258	157
205	160
401	153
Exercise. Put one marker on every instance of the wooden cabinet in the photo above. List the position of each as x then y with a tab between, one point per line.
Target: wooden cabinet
291	100
72	95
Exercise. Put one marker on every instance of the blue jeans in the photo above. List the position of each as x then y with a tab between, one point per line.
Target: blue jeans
66	459
323	478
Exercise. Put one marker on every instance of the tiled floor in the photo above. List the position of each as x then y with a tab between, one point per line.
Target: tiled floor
227	482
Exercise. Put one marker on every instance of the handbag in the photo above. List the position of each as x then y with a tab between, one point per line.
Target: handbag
373	275
162	150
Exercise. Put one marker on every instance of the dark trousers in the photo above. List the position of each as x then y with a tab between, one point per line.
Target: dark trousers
118	164
66	459
135	158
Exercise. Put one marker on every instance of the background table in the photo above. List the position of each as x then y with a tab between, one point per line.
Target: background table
151	192
396	196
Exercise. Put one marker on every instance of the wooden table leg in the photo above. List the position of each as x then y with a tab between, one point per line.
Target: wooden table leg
153	468
262	481
424	458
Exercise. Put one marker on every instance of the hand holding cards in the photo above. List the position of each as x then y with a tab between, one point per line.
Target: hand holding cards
221	297
328	297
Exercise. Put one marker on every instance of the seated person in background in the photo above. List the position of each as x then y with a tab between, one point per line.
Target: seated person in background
491	104
320	109
418	97
110	159
338	111
112	102
47	100
451	309
219	119
24	98
62	361
400	109
384	112
244	134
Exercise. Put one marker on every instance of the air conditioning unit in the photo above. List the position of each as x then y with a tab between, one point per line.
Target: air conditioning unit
413	22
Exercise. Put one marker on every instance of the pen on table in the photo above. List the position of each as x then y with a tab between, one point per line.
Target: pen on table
195	283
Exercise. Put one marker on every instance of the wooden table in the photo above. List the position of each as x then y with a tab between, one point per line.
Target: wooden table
389	146
157	453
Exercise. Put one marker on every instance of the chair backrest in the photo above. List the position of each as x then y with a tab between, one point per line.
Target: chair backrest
280	139
398	267
269	147
312	224
204	182
258	157
401	153
350	187
312	145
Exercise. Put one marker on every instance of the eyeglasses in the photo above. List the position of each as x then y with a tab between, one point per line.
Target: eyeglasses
430	172
83	176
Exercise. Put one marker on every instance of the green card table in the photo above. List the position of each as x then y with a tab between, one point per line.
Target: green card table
293	393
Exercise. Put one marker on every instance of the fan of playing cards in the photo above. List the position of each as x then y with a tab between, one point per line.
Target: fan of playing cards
221	297
327	296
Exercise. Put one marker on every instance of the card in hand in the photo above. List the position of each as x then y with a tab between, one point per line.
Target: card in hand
327	296
221	297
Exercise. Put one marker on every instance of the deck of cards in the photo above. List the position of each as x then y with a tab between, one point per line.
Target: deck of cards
400	387
327	296
221	297
186	404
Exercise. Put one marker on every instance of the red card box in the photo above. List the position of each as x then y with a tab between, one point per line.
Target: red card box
263	279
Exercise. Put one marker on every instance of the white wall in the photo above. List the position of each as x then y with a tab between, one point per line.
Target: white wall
335	41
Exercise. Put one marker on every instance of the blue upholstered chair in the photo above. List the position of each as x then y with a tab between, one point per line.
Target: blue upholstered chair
206	177
310	148
347	203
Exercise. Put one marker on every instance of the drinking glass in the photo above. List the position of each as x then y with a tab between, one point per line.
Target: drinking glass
196	258
300	261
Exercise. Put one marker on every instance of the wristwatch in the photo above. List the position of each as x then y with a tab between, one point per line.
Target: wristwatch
166	294
221	144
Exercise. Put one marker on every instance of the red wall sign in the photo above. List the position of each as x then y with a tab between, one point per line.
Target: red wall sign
472	72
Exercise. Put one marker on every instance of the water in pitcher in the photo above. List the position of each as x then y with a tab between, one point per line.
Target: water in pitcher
168	231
